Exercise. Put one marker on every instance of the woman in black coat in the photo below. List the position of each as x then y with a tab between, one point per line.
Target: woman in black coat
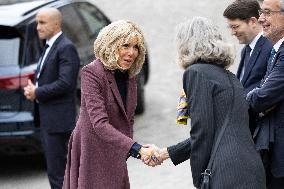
212	94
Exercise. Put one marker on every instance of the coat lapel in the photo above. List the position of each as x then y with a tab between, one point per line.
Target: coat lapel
129	110
277	54
241	64
114	89
252	60
50	53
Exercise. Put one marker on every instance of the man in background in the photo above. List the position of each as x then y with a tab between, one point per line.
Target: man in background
268	99
242	18
54	92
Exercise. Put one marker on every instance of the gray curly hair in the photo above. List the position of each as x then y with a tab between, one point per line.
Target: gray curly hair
114	36
199	40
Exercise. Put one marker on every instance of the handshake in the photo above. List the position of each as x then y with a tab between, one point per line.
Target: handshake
152	156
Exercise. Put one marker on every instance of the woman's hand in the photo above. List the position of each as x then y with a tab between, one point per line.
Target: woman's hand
152	156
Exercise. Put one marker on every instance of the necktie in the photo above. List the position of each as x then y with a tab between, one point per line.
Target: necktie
246	60
270	60
41	60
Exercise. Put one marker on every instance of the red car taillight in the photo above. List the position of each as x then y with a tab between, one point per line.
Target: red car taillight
15	82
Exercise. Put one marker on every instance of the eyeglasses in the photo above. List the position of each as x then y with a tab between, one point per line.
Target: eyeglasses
267	12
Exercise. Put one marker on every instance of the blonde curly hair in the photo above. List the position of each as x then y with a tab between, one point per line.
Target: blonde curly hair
114	36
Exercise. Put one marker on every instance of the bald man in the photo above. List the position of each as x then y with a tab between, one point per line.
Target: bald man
54	92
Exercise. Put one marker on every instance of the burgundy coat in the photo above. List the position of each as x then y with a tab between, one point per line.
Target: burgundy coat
99	145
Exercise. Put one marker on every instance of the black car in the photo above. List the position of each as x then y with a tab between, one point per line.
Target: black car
20	50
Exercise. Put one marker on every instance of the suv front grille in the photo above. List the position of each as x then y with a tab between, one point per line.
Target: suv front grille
10	100
14	101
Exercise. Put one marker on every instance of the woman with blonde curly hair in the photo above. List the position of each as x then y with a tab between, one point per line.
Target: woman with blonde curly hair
102	139
215	103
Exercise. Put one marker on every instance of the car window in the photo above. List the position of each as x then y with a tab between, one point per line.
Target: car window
93	18
75	30
72	25
9	49
33	46
94	21
9	46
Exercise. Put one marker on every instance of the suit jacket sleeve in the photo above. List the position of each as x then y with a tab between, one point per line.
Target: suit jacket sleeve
92	87
199	90
68	66
271	92
180	152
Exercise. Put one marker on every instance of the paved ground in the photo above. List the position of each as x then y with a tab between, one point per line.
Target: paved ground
157	19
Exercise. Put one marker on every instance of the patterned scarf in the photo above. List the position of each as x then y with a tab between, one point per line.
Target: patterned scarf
182	112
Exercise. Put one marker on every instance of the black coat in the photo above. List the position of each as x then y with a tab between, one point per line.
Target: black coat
237	165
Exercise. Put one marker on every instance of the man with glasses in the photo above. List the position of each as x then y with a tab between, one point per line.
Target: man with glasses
268	100
242	18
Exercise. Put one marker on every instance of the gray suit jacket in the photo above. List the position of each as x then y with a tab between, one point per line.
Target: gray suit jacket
209	94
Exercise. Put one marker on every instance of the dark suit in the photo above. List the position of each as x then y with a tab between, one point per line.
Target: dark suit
268	95
209	93
256	67
55	100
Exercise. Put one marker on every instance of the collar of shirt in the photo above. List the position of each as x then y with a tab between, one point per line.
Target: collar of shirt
53	39
254	41
277	45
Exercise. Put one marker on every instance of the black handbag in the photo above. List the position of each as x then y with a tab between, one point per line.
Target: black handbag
206	175
206	179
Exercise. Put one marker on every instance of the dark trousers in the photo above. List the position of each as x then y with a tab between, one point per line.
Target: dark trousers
274	182
55	149
271	181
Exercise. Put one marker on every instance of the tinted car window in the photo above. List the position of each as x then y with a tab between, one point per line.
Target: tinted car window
33	46
70	19
9	46
93	18
74	29
93	21
9	49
